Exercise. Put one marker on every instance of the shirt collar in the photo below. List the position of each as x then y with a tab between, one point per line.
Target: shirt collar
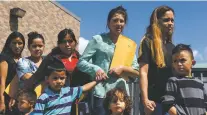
50	92
74	55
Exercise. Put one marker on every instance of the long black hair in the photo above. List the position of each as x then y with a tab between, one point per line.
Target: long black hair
62	34
6	49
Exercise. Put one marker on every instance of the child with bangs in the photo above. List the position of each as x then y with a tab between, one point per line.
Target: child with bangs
57	98
117	102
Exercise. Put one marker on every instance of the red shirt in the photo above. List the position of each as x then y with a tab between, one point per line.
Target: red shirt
70	63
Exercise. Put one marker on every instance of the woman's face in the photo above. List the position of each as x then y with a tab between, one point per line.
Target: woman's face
67	45
116	24
166	23
37	47
17	45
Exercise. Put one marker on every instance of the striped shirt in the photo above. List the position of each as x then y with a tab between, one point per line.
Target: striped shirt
50	103
187	95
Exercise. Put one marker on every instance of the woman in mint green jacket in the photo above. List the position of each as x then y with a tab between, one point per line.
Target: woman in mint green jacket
100	50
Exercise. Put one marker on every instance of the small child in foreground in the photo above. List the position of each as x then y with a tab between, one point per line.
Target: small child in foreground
26	101
57	99
117	102
185	95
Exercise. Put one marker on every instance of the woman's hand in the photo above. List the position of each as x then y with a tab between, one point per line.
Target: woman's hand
2	108
117	71
101	75
149	106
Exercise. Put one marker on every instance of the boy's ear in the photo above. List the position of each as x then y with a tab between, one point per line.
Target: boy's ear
193	62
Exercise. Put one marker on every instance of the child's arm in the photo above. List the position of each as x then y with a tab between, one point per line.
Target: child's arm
169	99
172	111
89	86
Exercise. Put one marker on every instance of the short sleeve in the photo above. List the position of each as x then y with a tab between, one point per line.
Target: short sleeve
76	92
144	51
2	58
23	67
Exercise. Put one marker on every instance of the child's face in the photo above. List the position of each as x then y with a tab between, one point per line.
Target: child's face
117	106
182	63
56	80
24	105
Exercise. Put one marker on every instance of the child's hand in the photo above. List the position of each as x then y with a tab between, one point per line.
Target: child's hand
11	103
117	71
101	75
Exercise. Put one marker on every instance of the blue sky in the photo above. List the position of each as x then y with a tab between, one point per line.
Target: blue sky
190	20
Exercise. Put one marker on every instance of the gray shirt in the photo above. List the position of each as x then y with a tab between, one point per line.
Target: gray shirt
187	95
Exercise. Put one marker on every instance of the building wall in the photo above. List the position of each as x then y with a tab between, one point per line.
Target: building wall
46	17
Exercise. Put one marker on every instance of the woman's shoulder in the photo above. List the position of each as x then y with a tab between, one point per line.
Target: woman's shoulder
7	58
100	37
146	39
3	57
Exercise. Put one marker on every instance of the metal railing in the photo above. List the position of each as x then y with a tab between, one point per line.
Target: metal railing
201	73
134	94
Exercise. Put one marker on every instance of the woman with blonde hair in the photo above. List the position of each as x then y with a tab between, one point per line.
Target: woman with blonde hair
155	59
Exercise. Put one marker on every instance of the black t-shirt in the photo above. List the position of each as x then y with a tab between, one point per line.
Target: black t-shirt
11	72
157	77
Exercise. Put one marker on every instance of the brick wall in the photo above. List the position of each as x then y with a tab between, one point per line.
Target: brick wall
45	17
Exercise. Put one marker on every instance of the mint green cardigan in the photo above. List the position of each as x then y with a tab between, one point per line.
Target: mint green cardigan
100	50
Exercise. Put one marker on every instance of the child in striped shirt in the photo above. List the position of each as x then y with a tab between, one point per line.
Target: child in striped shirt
56	98
185	95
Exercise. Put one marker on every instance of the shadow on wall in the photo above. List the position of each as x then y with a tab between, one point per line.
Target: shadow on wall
13	23
15	13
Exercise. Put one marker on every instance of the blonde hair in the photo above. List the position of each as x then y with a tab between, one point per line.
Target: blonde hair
155	31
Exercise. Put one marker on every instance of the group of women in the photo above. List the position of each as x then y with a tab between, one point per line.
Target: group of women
154	60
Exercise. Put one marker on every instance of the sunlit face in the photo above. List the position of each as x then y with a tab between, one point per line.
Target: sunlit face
56	80
166	23
67	45
117	106
37	47
17	46
182	63
116	24
24	105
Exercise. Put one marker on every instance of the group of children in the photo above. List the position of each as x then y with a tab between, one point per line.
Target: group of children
185	95
57	99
